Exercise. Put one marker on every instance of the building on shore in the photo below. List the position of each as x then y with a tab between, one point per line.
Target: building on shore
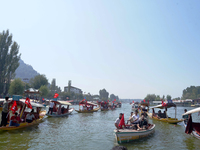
73	89
186	102
32	93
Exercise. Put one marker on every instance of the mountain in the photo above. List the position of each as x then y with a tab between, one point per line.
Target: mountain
25	71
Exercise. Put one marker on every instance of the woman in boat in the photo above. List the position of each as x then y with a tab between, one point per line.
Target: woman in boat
30	116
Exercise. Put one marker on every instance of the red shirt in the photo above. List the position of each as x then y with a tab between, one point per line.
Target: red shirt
15	118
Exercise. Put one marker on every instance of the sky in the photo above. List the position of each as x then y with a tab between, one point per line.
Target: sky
129	47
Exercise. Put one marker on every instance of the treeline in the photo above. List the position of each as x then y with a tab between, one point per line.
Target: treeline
192	92
154	97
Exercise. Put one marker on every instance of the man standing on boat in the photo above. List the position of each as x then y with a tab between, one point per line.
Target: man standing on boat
185	117
4	113
118	121
51	104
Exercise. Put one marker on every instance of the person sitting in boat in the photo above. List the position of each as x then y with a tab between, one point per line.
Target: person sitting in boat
14	121
130	118
30	116
62	109
142	124
164	115
135	118
185	117
159	114
117	121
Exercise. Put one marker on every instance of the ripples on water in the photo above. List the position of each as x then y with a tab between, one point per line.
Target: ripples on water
95	131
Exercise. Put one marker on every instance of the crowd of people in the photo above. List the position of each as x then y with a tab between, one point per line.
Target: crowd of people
135	121
15	119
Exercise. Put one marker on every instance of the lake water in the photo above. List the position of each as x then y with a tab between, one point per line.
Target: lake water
95	131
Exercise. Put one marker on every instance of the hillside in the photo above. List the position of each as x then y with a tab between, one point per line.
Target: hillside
25	71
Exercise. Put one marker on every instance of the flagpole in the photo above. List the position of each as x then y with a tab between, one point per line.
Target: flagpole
22	111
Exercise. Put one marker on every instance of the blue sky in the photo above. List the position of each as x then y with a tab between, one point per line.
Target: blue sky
130	48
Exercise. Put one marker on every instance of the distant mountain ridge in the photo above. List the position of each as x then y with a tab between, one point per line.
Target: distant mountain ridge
25	71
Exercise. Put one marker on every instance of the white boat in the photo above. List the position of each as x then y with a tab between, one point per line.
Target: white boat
192	128
128	135
58	112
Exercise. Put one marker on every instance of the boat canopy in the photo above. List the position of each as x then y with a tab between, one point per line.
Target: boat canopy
162	107
144	104
192	111
32	103
61	102
87	103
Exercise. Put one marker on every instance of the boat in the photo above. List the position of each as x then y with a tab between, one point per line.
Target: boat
38	113
128	135
167	119
87	107
143	106
135	106
192	128
59	105
104	105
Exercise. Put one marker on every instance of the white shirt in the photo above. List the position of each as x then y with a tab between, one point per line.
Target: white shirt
136	117
30	117
117	121
51	104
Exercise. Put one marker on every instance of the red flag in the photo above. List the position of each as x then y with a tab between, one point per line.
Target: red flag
122	122
14	107
28	103
144	100
56	95
108	101
148	101
133	102
164	104
114	99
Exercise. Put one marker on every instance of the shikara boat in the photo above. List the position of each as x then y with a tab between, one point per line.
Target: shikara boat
135	106
167	119
104	105
128	135
60	110
87	107
191	127
38	113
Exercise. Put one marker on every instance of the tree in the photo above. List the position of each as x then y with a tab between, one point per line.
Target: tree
169	97
150	97
44	90
9	60
38	81
16	87
103	95
53	86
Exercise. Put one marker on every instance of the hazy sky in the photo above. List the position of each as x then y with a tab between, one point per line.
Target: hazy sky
130	48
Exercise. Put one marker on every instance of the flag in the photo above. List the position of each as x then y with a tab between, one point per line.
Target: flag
148	101
133	102
42	99
164	104
28	103
144	100
114	99
14	107
108	101
122	122
56	95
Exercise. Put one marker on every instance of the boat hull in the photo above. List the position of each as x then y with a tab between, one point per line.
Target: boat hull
194	133
25	124
168	120
61	115
127	135
88	111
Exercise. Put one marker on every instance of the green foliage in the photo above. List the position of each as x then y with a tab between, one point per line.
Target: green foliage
158	98
169	97
192	92
38	81
103	95
44	90
9	60
16	87
151	97
178	98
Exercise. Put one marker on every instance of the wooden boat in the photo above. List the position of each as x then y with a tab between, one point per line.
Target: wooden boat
128	135
191	127
167	119
57	112
39	114
87	107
